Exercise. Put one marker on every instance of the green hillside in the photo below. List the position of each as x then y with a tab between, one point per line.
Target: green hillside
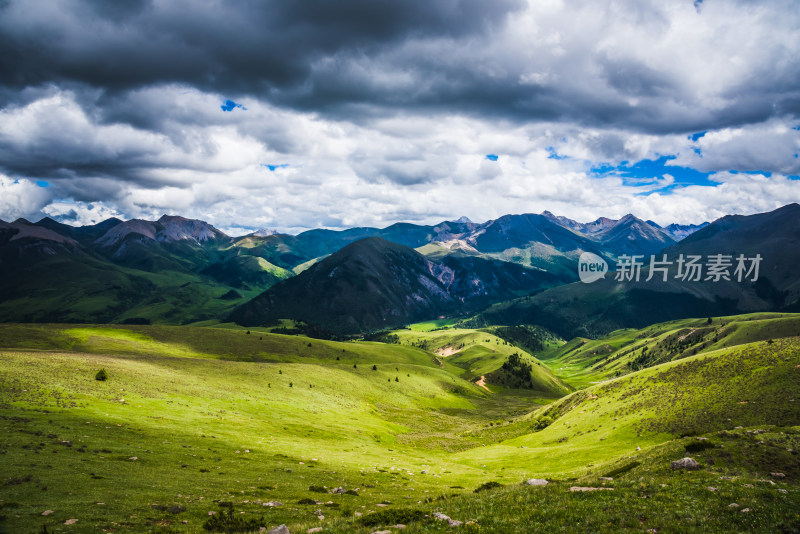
472	354
583	361
190	419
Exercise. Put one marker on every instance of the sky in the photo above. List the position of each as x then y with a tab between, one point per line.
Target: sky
341	113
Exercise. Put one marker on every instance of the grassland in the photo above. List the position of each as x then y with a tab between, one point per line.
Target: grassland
582	362
193	418
473	353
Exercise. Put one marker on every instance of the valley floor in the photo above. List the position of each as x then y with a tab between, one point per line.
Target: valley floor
214	427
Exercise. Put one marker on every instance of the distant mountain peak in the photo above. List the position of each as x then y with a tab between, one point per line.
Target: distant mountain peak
463	219
629	218
24	229
264	232
168	229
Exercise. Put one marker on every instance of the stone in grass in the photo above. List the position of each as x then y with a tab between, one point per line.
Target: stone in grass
536	482
382	532
588	488
272	504
777	475
313	530
733	505
70	521
47	512
282	529
452	522
685	463
398	526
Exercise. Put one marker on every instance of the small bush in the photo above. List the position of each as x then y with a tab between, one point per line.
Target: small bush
392	517
101	375
228	521
624	469
351	492
317	489
543	422
698	446
306	501
487	486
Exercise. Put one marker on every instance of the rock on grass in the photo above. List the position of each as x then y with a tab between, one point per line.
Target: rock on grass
685	463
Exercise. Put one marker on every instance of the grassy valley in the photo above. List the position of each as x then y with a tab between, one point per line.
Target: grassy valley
191	419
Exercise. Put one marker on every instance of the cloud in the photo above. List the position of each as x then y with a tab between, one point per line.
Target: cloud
21	198
365	113
80	213
768	147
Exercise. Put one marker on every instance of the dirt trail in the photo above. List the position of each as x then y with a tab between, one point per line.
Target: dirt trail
482	383
447	351
692	331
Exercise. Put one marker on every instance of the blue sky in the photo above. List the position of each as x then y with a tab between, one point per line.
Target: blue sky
645	171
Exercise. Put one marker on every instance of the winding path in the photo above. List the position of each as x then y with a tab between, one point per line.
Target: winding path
482	383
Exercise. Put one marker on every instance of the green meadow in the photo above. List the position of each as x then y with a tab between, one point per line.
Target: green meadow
199	424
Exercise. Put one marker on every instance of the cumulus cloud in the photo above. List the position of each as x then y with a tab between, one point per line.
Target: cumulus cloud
21	198
79	213
293	115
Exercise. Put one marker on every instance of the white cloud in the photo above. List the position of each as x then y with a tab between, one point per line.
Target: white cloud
403	132
769	147
21	198
79	213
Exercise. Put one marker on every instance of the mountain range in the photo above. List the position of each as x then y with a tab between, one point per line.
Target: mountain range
177	270
608	304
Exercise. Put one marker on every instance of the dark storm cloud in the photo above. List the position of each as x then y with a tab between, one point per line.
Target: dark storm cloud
242	46
356	58
134	103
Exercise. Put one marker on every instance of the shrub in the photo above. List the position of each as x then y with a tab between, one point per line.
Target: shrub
228	521
374	367
306	501
487	486
698	446
101	375
392	517
543	422
317	489
624	469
